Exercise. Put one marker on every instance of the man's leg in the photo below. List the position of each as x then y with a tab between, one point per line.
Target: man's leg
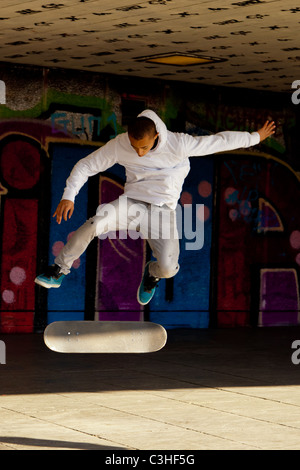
166	253
164	243
109	218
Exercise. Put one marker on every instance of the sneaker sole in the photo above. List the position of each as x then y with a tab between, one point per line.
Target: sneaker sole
45	284
139	301
137	296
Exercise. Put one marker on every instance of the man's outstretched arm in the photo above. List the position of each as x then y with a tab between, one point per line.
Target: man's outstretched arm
226	140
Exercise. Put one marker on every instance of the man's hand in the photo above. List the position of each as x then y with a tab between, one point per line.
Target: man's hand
64	209
267	130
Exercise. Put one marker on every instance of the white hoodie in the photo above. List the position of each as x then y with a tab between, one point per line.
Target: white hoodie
157	177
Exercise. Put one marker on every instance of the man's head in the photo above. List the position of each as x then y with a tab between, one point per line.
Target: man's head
142	134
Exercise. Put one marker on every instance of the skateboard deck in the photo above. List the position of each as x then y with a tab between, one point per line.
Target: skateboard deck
104	336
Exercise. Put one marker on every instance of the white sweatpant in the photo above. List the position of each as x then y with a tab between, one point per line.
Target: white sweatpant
135	219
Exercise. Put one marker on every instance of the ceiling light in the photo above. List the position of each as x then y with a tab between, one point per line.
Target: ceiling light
178	59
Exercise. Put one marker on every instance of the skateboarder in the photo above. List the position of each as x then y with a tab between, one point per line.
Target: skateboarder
156	163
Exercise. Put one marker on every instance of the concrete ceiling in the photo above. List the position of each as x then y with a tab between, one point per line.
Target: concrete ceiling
258	40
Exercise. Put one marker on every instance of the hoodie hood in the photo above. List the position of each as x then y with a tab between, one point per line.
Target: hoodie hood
160	127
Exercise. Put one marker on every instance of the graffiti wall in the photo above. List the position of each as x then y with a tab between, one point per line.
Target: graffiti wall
246	272
257	248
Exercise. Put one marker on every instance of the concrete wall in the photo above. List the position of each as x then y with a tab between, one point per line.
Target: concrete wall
248	270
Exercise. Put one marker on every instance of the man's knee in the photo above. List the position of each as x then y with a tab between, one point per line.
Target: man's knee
90	226
167	270
170	271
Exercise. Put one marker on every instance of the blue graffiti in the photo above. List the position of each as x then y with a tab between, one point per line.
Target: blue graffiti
61	121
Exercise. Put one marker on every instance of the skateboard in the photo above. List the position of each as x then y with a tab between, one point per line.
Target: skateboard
104	337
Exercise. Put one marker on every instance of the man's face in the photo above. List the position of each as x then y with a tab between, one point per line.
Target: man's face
143	145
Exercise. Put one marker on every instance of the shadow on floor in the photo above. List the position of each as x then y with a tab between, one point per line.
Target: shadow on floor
191	358
49	444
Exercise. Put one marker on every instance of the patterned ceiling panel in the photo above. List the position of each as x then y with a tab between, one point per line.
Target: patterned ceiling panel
257	40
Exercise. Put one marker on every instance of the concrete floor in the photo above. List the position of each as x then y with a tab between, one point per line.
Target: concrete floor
207	389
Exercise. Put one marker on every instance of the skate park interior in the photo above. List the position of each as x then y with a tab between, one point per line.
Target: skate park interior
72	75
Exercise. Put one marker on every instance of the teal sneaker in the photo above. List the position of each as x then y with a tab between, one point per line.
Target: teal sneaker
52	277
147	287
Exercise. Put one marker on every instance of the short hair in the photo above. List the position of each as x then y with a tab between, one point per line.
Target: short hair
140	127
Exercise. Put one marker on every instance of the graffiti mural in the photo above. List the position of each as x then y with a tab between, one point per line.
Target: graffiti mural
256	223
120	258
22	165
36	157
246	273
183	302
71	306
